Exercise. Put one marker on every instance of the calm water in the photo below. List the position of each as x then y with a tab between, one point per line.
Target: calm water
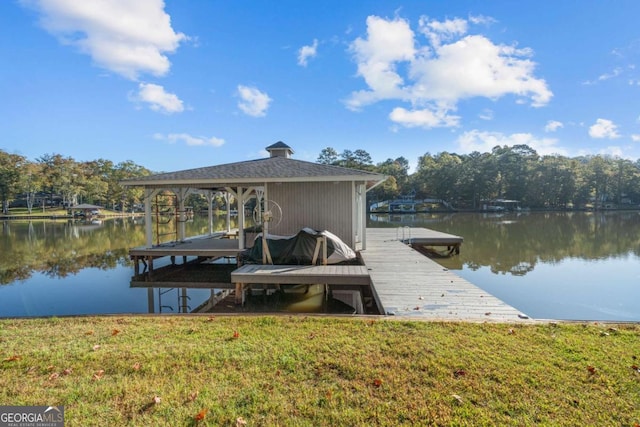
577	265
583	266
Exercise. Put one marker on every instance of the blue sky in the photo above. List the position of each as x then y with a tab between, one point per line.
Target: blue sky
182	84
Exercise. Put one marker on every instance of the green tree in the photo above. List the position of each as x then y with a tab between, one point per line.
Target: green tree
552	183
328	156
128	196
97	174
600	179
56	175
514	164
30	183
478	179
438	176
358	159
10	168
399	170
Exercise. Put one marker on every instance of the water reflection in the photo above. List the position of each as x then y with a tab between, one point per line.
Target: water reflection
556	265
575	265
58	249
517	243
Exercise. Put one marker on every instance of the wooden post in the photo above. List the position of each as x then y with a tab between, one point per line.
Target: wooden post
240	293
136	266
210	196
324	250
148	221
150	300
266	254
316	251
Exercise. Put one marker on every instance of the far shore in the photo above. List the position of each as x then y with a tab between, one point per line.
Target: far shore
59	213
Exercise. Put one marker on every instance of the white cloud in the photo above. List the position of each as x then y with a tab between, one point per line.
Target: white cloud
476	140
158	99
437	31
423	118
306	52
387	43
190	140
252	101
482	20
635	137
615	73
606	76
553	125
449	67
475	67
123	36
604	128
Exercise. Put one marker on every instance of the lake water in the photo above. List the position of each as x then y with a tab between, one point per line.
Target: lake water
577	266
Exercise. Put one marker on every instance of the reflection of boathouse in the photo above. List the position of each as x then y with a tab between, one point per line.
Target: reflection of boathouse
290	195
500	205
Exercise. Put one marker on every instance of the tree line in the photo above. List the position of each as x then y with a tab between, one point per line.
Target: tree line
516	173
463	180
54	180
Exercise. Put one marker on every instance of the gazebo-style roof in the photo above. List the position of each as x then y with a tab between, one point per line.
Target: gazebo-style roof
304	190
271	169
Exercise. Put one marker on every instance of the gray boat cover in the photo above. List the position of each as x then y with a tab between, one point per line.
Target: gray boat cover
299	248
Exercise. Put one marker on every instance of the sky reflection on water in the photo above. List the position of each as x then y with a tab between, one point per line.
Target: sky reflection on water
572	289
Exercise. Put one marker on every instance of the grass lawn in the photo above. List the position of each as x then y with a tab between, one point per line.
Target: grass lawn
317	371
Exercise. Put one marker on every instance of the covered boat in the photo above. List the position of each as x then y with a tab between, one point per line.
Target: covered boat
303	248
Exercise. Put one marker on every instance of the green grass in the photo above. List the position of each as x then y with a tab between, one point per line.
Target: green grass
316	371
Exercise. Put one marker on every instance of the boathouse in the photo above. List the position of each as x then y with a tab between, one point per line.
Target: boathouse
390	276
302	194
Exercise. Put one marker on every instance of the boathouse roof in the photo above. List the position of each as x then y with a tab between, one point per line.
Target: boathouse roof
277	168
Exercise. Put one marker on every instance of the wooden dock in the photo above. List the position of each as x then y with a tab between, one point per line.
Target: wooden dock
408	284
350	275
404	282
302	274
204	247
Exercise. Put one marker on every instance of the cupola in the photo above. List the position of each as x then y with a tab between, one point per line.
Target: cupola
280	149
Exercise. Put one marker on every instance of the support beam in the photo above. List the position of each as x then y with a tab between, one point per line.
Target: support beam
240	204
149	194
210	196
239	293
227	200
151	301
241	196
181	195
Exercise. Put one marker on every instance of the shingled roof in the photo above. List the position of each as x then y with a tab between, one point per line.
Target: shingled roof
272	169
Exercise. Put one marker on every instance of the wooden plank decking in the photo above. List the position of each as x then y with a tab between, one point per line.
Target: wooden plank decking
202	246
298	275
302	274
407	283
214	246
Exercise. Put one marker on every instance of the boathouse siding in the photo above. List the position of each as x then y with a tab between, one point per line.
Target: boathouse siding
318	205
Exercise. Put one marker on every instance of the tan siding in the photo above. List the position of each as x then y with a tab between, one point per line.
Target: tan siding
319	205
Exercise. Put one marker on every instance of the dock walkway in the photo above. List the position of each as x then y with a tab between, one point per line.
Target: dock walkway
407	283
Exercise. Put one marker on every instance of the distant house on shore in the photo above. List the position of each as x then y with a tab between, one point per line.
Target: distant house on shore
302	194
85	210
